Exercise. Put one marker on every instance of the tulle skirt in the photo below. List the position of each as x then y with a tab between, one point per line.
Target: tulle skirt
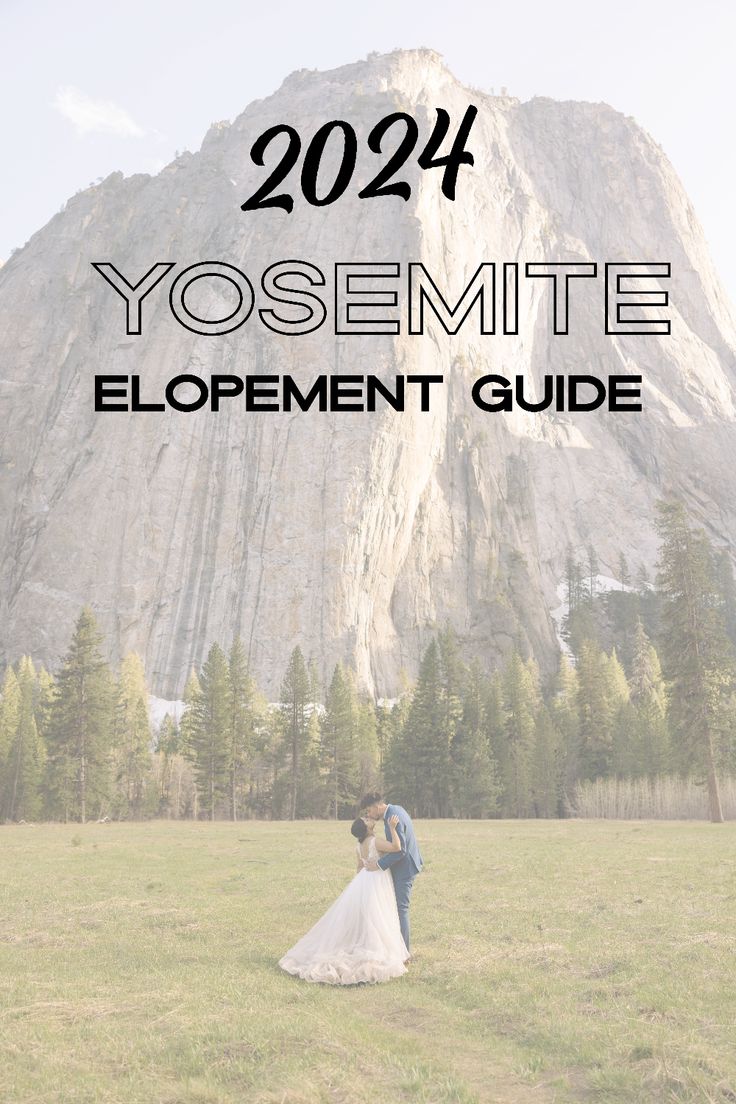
357	940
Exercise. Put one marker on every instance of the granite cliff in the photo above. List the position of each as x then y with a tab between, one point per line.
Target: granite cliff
353	534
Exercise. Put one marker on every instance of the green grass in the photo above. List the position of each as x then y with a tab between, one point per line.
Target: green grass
556	961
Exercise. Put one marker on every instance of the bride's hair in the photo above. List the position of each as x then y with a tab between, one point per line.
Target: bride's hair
359	828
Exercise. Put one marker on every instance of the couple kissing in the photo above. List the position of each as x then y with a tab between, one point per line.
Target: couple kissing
364	935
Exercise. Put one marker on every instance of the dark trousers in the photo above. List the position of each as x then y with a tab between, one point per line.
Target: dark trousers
403	882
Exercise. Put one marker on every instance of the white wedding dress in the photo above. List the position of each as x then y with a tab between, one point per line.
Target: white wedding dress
358	939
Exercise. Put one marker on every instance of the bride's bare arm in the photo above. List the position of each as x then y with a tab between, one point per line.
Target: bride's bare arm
395	845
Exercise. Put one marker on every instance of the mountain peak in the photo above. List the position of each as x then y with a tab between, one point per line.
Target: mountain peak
355	535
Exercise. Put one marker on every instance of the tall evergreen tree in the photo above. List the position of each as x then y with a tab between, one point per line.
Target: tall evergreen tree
296	708
390	720
20	798
727	591
167	749
454	676
419	763
546	765
315	682
520	705
368	770
209	731
573	582
602	694
338	731
268	796
475	786
649	740
624	575
698	660
582	620
133	742
385	731
622	611
494	714
43	701
643	581
9	718
592	569
566	716
243	720
192	693
81	727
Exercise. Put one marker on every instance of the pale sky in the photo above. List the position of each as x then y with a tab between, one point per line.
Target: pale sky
91	88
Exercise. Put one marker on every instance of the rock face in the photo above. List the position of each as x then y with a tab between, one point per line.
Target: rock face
353	534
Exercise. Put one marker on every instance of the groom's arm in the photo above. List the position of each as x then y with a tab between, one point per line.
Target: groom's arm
392	857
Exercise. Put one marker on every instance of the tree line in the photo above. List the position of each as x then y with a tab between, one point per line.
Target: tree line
646	689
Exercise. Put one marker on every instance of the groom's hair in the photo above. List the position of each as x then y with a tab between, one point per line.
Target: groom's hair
359	828
370	799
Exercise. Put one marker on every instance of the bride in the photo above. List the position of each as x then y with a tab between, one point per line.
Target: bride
358	939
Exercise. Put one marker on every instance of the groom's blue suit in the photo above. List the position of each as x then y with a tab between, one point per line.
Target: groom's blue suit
404	865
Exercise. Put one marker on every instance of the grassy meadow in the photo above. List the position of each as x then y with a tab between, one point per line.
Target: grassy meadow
555	961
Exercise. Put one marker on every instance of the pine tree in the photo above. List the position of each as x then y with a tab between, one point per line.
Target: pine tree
419	763
338	732
566	717
209	744
698	660
167	749
243	719
475	787
315	682
622	610
296	691
311	790
643	581
263	755
573	582
625	743
133	743
602	694
192	693
385	732
649	739
390	720
43	701
624	575
81	727
581	622
367	778
727	591
454	679
592	569
9	717
494	720
520	704
546	765
273	779
20	798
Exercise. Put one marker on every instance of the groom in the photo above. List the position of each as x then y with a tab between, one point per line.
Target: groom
405	864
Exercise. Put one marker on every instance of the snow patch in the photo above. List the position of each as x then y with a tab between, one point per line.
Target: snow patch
159	707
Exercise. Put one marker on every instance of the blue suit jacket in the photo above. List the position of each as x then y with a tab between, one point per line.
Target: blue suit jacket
407	862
